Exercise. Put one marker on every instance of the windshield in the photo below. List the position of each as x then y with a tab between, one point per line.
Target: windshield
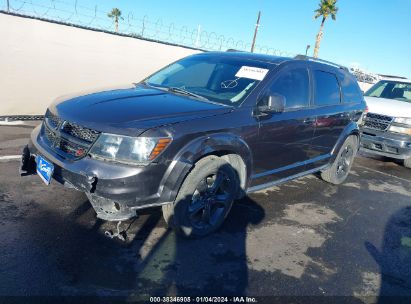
215	78
391	90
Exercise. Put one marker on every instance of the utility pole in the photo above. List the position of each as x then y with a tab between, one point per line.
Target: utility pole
255	31
8	6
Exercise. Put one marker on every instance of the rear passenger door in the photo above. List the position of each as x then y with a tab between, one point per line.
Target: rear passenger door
331	115
284	143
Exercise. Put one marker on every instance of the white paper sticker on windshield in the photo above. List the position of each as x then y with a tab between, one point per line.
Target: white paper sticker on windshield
251	73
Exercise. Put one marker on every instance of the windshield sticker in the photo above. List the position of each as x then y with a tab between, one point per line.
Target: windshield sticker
251	73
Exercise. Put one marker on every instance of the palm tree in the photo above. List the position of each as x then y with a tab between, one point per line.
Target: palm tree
326	8
115	14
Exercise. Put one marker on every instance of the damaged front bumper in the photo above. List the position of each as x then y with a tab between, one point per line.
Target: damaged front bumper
116	191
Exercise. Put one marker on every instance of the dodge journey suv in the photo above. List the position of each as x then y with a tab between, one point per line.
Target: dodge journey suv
199	134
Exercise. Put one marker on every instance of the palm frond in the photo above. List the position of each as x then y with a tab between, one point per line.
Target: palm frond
115	13
326	8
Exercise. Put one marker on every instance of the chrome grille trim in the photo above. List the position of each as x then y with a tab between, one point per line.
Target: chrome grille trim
377	121
66	138
52	120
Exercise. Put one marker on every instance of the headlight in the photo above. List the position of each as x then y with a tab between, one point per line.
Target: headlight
403	120
401	130
128	149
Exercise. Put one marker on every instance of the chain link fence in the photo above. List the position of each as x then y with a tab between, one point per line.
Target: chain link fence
76	13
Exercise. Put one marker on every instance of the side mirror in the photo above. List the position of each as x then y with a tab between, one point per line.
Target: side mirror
271	103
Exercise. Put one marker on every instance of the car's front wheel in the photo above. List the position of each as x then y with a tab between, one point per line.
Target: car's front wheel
407	162
338	171
205	198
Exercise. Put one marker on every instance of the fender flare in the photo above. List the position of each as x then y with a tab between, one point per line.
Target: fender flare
351	129
196	149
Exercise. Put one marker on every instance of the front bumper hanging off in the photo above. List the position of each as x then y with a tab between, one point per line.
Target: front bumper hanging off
116	191
106	209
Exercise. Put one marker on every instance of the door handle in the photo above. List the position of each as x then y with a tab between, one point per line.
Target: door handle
309	121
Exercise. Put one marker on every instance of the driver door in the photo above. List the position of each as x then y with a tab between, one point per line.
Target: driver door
284	140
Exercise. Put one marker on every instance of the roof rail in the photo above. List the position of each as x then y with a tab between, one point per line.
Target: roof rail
303	57
233	50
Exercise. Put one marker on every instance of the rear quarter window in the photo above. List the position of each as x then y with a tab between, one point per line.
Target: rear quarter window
351	92
327	88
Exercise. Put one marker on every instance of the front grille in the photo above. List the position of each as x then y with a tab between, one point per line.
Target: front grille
66	138
49	135
80	132
379	117
377	121
72	148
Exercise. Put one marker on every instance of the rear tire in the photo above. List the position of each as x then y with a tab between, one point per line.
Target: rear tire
204	199
339	170
407	162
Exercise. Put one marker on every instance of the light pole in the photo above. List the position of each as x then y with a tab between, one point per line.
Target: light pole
306	50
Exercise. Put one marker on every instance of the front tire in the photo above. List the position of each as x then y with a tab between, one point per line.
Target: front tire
339	170
407	163
204	199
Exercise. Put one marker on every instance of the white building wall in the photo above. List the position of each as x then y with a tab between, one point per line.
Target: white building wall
40	61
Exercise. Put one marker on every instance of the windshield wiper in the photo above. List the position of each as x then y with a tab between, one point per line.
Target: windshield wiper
175	90
185	92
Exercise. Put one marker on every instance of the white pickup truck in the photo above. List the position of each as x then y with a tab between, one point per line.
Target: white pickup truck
386	127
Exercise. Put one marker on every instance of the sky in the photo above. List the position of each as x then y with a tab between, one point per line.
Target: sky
371	34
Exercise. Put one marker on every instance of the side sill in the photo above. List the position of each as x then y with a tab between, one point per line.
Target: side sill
292	166
150	205
283	180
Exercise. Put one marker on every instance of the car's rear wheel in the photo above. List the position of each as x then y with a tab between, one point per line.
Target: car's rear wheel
338	171
407	162
205	198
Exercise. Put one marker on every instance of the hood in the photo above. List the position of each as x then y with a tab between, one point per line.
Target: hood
132	110
389	107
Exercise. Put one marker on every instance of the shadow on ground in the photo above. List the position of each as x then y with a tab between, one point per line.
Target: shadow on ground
303	238
394	259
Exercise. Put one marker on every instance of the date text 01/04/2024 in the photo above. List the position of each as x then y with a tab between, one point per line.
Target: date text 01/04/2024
239	299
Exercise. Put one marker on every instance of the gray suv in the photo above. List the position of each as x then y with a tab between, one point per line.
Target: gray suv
199	134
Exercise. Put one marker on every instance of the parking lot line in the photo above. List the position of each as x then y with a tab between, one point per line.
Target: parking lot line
10	157
11	123
383	173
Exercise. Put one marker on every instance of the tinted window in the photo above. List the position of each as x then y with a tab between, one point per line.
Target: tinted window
327	90
294	86
350	89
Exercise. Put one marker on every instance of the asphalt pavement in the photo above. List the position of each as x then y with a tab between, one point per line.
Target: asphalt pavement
303	238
